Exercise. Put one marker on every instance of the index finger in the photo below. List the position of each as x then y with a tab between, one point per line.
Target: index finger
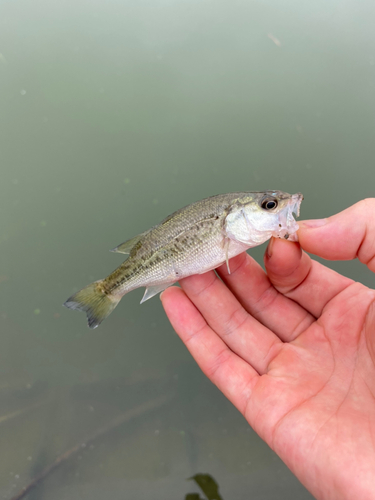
231	374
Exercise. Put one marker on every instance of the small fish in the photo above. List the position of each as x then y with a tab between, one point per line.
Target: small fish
193	240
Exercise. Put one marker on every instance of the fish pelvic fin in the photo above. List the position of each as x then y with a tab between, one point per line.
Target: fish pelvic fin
226	253
94	301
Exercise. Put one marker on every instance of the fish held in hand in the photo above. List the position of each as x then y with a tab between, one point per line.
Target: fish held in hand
192	240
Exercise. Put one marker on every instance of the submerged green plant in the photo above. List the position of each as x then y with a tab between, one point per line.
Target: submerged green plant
209	487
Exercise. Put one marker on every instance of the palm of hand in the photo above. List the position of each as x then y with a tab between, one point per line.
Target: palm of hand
319	394
294	350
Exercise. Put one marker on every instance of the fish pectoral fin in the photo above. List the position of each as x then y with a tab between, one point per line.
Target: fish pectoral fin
154	290
127	245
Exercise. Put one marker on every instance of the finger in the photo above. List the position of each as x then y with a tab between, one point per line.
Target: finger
307	282
346	235
232	375
242	333
253	289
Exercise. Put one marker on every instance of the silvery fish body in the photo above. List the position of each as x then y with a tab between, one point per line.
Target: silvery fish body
192	240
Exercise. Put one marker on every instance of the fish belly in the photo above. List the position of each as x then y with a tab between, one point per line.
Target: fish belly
169	265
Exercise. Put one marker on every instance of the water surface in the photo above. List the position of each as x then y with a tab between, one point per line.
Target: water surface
112	115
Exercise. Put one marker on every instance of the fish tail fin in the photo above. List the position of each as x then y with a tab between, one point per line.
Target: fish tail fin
94	302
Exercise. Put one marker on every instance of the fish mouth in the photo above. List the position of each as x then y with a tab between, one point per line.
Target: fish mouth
288	226
295	203
291	224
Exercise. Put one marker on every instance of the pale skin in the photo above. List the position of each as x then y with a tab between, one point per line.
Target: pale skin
294	349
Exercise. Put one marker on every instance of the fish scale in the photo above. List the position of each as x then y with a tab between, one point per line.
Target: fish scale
192	240
174	260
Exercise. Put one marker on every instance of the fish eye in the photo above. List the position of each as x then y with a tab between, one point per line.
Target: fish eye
269	203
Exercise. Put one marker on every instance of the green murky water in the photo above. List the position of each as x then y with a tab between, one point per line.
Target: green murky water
112	115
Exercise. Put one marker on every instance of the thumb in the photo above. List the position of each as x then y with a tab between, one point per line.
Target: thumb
344	236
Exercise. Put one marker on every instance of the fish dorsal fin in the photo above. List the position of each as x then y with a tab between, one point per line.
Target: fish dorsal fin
127	246
154	290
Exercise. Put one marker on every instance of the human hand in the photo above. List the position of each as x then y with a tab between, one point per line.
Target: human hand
294	350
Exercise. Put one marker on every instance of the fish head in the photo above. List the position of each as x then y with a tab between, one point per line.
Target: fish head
258	217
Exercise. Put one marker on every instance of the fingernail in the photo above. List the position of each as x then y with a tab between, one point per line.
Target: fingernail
269	248
310	224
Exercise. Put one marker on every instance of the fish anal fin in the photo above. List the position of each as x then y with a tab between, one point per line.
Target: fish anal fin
154	290
127	246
